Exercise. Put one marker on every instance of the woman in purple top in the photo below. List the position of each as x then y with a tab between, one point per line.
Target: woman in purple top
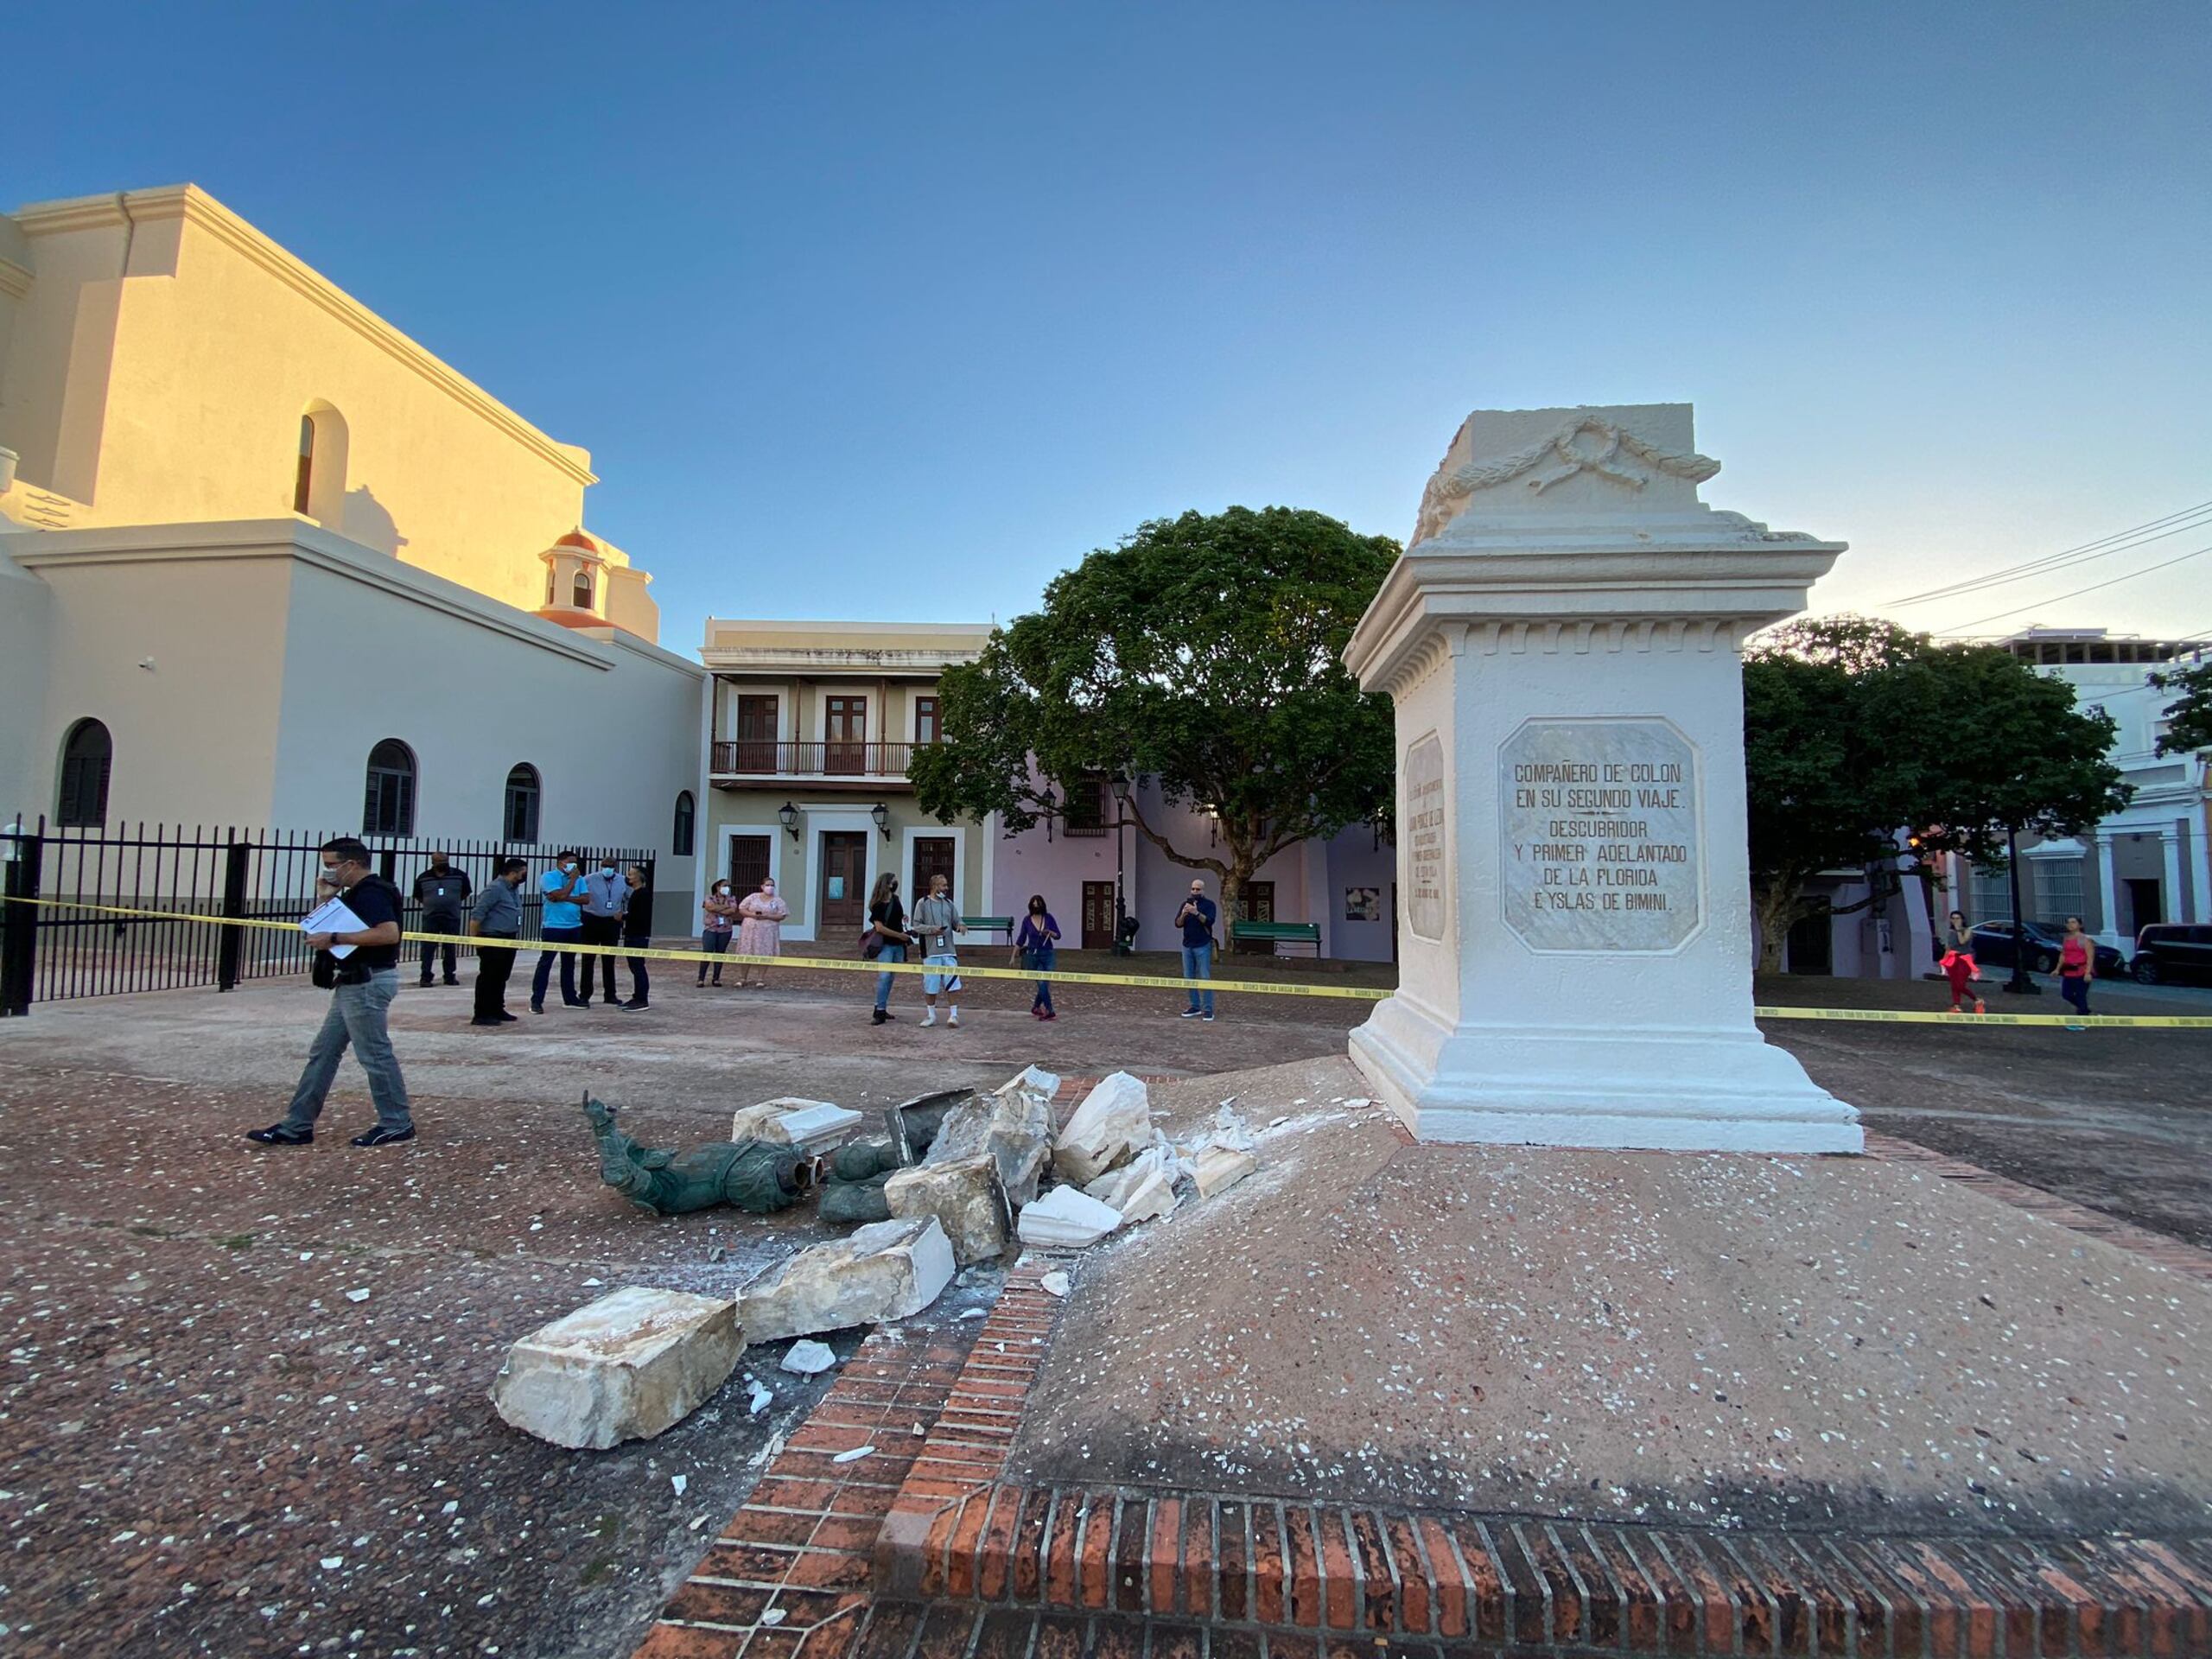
1032	949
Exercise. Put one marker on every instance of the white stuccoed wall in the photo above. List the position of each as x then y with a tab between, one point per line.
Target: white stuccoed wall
1564	571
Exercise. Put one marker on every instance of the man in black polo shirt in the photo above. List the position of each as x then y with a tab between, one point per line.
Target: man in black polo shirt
368	980
442	892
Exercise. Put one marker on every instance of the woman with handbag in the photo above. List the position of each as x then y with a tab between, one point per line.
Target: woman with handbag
886	939
1032	949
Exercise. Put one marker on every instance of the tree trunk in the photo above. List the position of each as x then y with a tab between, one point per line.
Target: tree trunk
1776	907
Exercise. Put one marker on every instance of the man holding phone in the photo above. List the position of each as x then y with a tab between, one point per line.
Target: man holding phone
1196	919
562	922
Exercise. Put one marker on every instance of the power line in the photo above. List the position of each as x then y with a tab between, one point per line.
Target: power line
2078	592
2117	541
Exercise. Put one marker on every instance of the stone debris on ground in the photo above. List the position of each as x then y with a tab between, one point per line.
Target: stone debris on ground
1111	1125
814	1126
1217	1169
1055	1283
884	1271
1065	1219
964	1196
625	1367
761	1397
1143	1189
808	1359
1012	1125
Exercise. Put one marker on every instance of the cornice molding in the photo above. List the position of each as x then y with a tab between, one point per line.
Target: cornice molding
199	209
15	280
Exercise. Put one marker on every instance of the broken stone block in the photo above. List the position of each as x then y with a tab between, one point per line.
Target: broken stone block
788	1121
1141	1189
965	1197
808	1359
1013	1126
886	1270
1112	1125
1064	1219
623	1368
1217	1167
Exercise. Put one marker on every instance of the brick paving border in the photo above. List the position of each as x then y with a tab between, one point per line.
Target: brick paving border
923	1550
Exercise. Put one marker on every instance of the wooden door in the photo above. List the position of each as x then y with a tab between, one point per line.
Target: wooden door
1098	915
748	864
932	856
845	727
843	892
1256	902
926	729
756	734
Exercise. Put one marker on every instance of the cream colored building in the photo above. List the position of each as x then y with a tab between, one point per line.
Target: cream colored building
266	560
810	728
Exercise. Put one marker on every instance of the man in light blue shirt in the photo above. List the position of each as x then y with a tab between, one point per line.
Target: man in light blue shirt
562	922
606	896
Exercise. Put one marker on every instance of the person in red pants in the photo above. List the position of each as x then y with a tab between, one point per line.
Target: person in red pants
1958	965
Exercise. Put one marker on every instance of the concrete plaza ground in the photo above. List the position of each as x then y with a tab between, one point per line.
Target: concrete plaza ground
195	1415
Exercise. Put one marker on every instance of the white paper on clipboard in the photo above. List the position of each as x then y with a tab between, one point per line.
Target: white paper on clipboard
334	916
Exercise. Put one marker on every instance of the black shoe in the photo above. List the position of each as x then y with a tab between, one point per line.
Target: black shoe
493	1020
881	1018
636	1002
507	1018
423	984
280	1134
538	1008
453	982
380	1136
575	1001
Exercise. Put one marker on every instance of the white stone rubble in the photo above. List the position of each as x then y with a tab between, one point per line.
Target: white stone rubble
1111	1125
965	1198
808	1359
1064	1219
623	1368
1142	1189
886	1270
1216	1167
815	1126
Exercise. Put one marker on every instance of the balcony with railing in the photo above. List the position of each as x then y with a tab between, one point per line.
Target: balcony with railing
831	761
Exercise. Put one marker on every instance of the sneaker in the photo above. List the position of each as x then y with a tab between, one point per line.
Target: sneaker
930	1019
1048	1014
538	1008
280	1134
953	1021
636	1002
1207	1018
380	1136
575	1001
1188	1013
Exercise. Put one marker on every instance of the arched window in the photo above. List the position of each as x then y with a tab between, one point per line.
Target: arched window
86	754
581	594
390	810
550	580
679	840
319	476
521	803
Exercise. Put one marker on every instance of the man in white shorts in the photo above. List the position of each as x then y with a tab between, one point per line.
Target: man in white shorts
935	920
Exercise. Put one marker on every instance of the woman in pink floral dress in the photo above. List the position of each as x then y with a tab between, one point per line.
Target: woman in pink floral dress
760	932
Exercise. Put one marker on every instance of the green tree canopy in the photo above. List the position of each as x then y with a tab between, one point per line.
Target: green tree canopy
1855	728
1203	653
2191	714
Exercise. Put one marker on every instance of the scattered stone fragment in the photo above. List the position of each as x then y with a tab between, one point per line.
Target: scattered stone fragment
361	1295
1111	1125
1231	1130
855	1455
886	1270
1013	1124
1217	1167
1142	1189
809	1358
679	1481
1055	1283
815	1126
771	1616
625	1367
1064	1219
972	1313
762	1396
965	1197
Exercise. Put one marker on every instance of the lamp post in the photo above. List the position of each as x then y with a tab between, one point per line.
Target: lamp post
787	815
880	816
2019	984
1121	893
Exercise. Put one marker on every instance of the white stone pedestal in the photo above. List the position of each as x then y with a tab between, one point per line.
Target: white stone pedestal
1561	641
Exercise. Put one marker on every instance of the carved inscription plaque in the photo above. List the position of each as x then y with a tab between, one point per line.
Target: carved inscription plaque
1422	832
1600	837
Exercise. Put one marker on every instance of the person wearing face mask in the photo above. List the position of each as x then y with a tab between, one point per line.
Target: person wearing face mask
367	979
720	915
637	933
561	922
494	923
762	933
607	900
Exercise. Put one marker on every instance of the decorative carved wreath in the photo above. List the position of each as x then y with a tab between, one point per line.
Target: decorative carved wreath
1622	457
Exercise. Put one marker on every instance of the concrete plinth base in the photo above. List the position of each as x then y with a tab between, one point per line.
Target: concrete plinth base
1654	1089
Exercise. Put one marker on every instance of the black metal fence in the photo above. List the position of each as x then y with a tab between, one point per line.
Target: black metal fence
68	947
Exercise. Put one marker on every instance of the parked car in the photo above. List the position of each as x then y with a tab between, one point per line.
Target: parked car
1992	948
2169	951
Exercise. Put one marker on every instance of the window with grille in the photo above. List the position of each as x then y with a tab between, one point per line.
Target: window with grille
926	729
749	863
1991	896
2058	889
1089	807
681	834
389	807
524	789
581	592
87	755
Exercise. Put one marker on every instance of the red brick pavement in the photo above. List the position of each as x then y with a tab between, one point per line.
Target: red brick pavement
923	1550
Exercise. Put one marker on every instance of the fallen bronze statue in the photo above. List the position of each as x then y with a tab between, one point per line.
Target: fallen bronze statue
751	1174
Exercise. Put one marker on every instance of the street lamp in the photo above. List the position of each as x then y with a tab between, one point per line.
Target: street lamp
787	815
1121	889
880	816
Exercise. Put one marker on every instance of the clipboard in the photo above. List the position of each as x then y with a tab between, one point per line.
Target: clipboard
334	916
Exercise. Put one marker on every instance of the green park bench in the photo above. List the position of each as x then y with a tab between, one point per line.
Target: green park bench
1274	933
988	925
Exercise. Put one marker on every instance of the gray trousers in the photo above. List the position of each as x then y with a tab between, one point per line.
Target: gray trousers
356	1016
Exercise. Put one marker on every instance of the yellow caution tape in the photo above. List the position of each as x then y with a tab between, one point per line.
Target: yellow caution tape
1156	982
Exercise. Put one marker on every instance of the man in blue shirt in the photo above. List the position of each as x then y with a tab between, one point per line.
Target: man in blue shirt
562	922
606	896
1196	919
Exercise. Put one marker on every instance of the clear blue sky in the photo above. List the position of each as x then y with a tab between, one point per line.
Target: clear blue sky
893	311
